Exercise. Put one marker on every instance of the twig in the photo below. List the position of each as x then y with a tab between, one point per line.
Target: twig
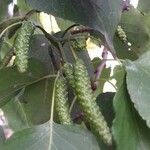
7	59
62	52
100	68
71	48
72	104
10	26
52	113
69	28
89	30
30	13
78	116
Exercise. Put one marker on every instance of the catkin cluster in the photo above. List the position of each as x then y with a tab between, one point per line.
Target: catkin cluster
79	79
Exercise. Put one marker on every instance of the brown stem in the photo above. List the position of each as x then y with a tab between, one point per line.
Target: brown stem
89	30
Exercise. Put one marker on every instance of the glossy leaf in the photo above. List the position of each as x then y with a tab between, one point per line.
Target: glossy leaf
138	81
63	138
129	130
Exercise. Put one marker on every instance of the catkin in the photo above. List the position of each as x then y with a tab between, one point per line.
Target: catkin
121	34
68	70
61	102
88	103
22	46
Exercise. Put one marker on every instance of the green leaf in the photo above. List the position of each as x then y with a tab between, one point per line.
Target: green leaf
11	80
5	48
23	5
129	130
144	5
39	49
138	81
105	102
9	22
15	114
104	14
37	101
135	25
4	8
63	138
63	24
118	74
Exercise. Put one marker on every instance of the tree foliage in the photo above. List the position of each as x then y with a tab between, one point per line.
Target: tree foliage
51	92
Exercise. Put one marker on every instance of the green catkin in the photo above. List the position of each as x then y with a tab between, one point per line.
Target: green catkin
68	70
121	34
88	103
22	46
61	102
79	44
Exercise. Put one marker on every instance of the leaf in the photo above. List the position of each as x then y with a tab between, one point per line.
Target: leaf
13	31
104	14
2	136
138	81
5	48
8	22
11	80
135	25
39	49
118	74
105	102
4	8
36	101
15	114
23	5
144	5
64	138
129	130
63	24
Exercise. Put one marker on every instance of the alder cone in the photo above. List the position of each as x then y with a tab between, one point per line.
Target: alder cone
61	102
88	103
22	45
